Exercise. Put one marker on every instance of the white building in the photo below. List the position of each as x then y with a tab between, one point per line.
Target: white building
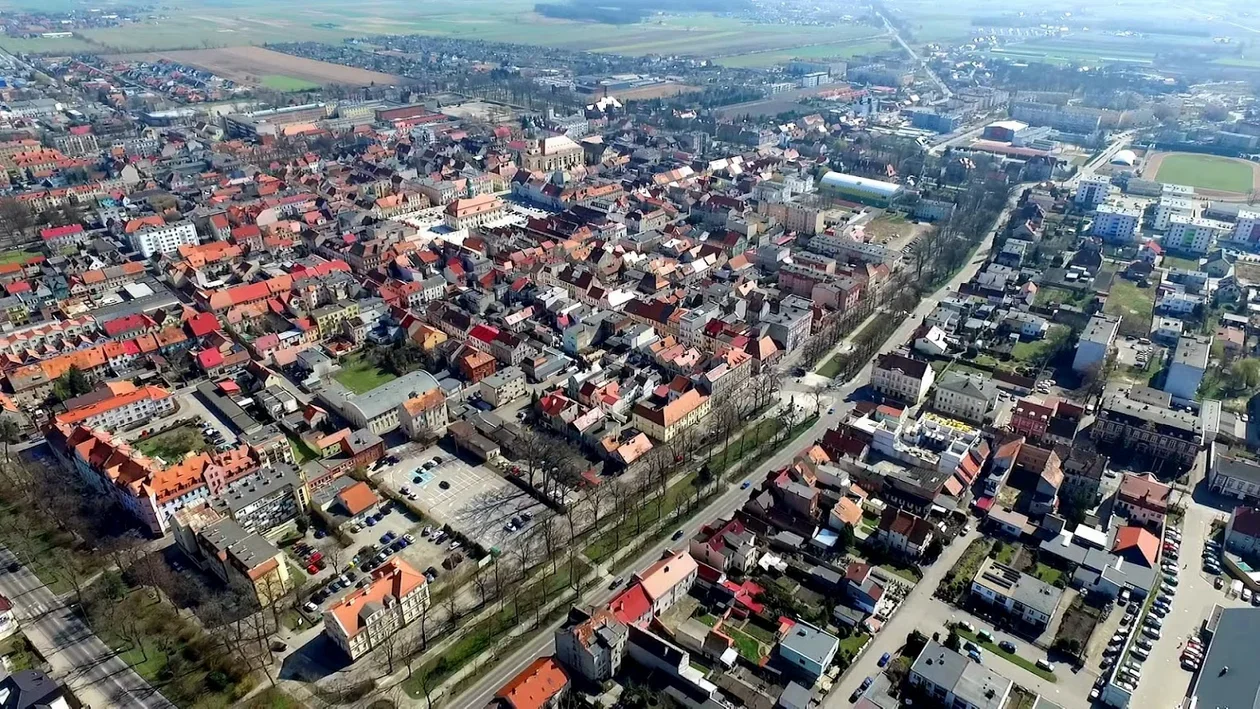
1169	206
1092	191
1095	342
130	407
503	386
969	397
1189	363
397	595
1116	223
166	239
1196	235
1247	228
1178	303
903	378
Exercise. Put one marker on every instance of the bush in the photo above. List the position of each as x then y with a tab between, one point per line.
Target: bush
218	681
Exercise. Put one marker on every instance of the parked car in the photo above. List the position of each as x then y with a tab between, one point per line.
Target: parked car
883	659
1046	665
1008	646
312	569
1219	583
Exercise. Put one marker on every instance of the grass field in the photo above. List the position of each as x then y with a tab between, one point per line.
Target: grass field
1009	656
837	50
287	83
359	376
172	445
1134	306
1208	172
17	256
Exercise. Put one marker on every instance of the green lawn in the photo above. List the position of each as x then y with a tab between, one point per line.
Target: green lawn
1050	295
832	366
1209	172
1133	305
849	646
1007	554
172	445
1008	656
758	632
746	645
301	451
1049	574
1037	352
280	82
838	50
17	256
1178	262
273	698
904	572
359	375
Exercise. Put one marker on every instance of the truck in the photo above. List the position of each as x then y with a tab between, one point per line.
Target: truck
1235	589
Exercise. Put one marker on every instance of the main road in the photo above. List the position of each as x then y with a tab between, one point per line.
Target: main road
543	644
93	671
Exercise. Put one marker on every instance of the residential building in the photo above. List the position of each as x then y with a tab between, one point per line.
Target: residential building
1117	224
542	685
378	409
1189	364
152	236
668	580
664	420
423	416
952	680
592	645
396	596
966	396
1023	597
1196	236
32	689
1235	475
503	386
1144	420
244	560
806	651
1142	499
1169	206
902	378
473	212
357	500
8	619
268	501
903	532
1095	343
725	544
1242	532
119	406
1092	191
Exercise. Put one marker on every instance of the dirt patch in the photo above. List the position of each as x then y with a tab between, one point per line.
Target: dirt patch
657	91
247	65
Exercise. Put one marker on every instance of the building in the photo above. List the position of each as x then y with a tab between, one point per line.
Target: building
1247	228
151	236
1116	224
473	212
119	406
1242	532
550	154
396	596
357	500
1189	364
966	396
1195	235
1004	131
1092	191
592	645
901	377
1226	677
1234	475
954	681
1145	421
378	409
243	560
1142	499
1023	597
668	580
1095	343
724	545
32	689
806	651
664	420
1169	206
8	618
268	501
423	416
861	189
540	686
503	386
904	532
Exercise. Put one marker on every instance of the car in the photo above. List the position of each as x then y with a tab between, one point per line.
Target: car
1008	646
1246	595
1153	623
865	683
437	460
1093	694
315	557
454	545
320	534
883	659
426	531
1139	653
975	655
831	410
985	636
411	539
1189	666
1159	611
312	569
444	485
1171	580
677	535
370	521
527	515
310	607
615	583
966	626
1046	665
1144	643
1219	583
747	484
509	528
387	537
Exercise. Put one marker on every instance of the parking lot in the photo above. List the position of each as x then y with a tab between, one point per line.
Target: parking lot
1133	353
472	499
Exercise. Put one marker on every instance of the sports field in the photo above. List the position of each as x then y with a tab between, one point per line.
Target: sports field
279	82
1208	172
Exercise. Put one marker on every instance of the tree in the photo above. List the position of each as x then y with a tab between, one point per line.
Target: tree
934	549
1244	374
71	384
8	433
14	214
953	641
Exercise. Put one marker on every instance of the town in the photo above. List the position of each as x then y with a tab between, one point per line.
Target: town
419	371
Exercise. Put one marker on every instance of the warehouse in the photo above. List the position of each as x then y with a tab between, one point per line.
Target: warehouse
861	189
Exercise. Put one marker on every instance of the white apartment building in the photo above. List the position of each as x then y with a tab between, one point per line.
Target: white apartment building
166	239
397	595
1116	223
1092	191
1196	235
1247	228
1167	207
129	408
902	378
841	245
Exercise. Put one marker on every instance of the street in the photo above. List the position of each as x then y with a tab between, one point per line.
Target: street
543	644
96	675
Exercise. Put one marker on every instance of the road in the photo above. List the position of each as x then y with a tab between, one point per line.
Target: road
96	675
917	59
543	644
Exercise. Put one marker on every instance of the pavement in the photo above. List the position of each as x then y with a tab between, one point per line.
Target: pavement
543	643
94	672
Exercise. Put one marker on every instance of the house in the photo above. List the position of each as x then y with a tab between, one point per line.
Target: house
1023	597
969	397
1142	499
243	560
1136	545
1095	343
506	385
358	500
1242	533
540	686
860	589
951	680
663	420
32	689
592	644
1234	475
806	651
1144	421
1188	365
8	618
668	580
724	545
901	377
903	532
1007	522
396	595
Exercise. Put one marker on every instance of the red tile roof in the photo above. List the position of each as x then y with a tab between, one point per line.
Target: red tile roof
536	686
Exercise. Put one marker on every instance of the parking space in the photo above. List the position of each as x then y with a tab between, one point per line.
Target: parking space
472	499
1133	352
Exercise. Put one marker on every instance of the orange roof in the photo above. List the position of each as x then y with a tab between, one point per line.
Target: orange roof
395	578
114	402
357	498
536	686
848	511
1137	538
659	578
424	402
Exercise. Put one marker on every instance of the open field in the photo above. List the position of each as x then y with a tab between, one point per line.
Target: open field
358	375
255	65
1208	172
835	50
664	90
1133	305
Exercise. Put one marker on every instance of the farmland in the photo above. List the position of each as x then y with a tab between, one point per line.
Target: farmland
282	72
834	50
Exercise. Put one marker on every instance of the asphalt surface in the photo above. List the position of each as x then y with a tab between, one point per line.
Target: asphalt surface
96	675
543	644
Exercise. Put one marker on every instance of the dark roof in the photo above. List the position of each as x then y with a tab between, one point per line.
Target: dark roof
1228	677
28	689
911	367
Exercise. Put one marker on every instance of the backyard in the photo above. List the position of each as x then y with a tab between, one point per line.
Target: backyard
1038	352
1133	304
958	579
172	445
1077	625
358	375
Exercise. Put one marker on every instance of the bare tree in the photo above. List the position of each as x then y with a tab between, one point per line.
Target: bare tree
548	531
389	652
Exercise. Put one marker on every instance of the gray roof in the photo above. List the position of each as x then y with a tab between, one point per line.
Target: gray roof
1192	351
28	689
1240	468
390	394
503	376
808	641
1009	583
1228	678
795	697
247	548
970	681
247	491
939	665
1101	329
976	386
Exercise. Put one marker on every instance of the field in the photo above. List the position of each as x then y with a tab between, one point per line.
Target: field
664	90
171	445
835	50
1133	305
1208	172
359	375
275	70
